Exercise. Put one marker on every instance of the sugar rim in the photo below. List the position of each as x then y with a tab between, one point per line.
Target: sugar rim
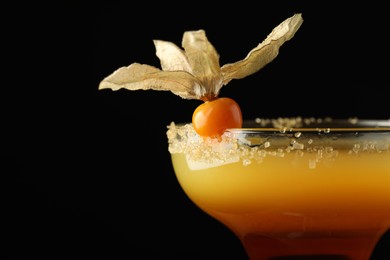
286	136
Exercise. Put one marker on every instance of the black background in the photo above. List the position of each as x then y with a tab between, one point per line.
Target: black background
87	172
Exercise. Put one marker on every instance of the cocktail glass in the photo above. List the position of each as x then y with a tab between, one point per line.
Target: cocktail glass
292	188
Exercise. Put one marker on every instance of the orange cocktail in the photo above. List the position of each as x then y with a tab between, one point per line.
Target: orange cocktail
299	188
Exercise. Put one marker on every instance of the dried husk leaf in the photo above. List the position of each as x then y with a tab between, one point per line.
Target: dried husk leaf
264	53
144	77
204	60
171	57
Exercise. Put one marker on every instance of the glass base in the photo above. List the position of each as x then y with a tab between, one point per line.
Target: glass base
261	247
311	257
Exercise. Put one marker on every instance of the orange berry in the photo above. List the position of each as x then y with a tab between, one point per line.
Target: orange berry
213	117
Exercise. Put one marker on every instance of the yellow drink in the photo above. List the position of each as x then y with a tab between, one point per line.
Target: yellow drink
321	193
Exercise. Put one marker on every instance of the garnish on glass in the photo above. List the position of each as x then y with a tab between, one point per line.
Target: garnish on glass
194	72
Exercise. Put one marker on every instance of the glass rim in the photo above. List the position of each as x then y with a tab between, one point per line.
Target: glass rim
313	125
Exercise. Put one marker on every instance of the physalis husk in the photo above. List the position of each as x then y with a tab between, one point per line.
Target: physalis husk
194	72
